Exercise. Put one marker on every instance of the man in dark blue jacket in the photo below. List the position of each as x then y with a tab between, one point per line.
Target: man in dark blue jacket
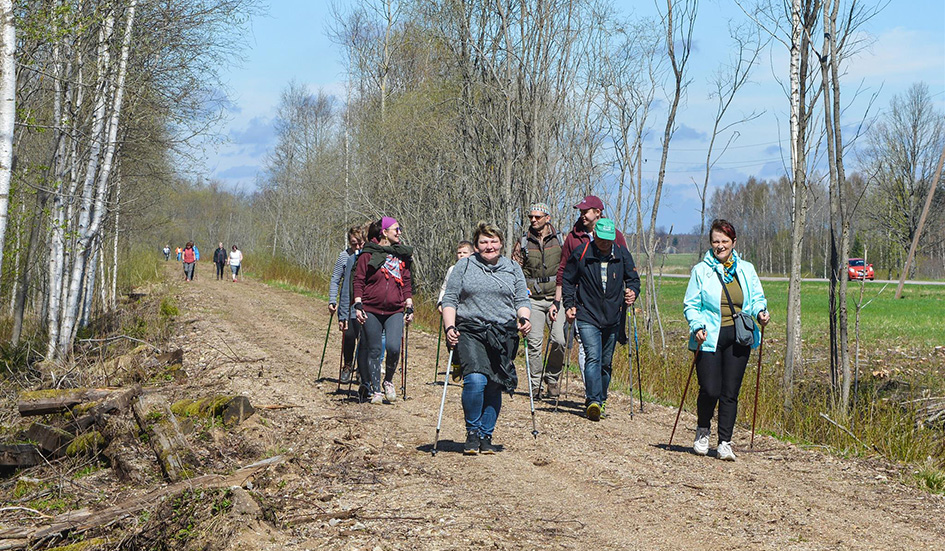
599	280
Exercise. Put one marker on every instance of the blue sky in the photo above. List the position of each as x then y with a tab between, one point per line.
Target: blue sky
908	45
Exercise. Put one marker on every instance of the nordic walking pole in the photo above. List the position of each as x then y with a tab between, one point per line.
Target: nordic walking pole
439	420
439	339
629	367
403	373
684	392
324	348
531	397
754	412
636	346
544	362
355	361
341	362
568	368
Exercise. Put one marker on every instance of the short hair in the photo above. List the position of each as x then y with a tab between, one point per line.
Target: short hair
722	226
467	244
356	232
189	244
489	230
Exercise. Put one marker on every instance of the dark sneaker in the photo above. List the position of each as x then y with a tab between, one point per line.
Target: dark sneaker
603	409
346	374
593	411
552	391
486	447
472	444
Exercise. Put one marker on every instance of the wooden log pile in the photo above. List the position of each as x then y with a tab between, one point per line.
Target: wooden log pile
110	422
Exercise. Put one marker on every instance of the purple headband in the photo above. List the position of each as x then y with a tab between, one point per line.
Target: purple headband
387	222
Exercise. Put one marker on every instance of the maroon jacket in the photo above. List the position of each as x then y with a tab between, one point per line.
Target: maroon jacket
380	293
577	237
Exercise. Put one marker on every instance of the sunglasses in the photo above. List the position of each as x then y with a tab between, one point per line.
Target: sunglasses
533	217
395	230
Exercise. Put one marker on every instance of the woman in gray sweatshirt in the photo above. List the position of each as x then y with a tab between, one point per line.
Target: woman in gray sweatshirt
484	306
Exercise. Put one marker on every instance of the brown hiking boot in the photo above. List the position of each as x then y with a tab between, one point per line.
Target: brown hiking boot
552	391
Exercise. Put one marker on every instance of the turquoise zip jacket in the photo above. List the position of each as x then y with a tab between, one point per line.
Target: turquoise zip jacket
704	296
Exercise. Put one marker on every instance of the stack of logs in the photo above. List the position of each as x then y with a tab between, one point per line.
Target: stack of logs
110	421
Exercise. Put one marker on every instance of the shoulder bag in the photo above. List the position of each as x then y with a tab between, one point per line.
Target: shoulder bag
744	325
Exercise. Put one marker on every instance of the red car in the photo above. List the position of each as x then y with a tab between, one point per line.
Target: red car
857	268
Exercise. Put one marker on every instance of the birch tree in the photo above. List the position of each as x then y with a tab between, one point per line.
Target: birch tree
7	111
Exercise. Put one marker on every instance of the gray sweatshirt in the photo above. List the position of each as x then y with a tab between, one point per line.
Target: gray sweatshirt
489	294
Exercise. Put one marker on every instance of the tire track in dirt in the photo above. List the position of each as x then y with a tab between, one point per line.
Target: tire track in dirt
607	485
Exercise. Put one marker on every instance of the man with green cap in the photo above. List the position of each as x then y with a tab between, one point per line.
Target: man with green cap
599	280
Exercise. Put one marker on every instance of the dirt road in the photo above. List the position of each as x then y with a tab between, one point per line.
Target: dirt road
362	476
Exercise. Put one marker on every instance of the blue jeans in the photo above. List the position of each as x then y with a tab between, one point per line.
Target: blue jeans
482	400
598	346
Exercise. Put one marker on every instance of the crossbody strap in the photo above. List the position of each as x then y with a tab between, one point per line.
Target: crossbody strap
727	296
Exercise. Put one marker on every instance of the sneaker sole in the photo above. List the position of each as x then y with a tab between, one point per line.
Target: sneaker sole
470	452
593	412
487	452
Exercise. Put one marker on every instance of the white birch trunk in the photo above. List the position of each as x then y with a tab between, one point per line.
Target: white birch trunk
71	303
93	214
7	111
113	304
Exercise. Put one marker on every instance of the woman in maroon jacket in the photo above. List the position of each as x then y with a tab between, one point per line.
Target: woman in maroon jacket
383	302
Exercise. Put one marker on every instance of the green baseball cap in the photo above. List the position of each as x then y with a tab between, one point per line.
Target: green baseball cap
605	229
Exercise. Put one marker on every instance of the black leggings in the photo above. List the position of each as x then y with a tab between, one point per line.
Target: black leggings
350	340
219	269
720	379
369	361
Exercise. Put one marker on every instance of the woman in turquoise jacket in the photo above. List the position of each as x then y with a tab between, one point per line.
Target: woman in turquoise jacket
720	361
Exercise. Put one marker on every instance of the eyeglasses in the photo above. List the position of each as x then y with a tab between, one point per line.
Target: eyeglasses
395	230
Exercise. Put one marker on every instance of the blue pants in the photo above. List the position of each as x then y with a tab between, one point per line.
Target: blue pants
598	343
482	400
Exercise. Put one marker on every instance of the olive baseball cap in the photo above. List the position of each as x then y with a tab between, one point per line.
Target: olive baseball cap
605	229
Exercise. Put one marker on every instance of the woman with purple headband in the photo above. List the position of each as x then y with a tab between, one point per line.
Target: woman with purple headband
383	302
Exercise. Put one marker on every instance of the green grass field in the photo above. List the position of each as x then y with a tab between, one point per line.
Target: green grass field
912	323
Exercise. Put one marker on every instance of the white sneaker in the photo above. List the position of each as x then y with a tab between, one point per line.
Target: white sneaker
724	451
390	394
377	398
701	445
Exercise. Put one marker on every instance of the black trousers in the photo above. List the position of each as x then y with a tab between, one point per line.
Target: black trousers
220	266
720	379
350	340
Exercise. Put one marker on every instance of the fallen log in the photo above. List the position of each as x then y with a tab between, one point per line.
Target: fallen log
174	455
51	440
19	455
82	520
232	409
42	402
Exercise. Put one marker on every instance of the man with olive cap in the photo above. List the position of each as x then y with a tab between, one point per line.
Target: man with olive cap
599	279
539	253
